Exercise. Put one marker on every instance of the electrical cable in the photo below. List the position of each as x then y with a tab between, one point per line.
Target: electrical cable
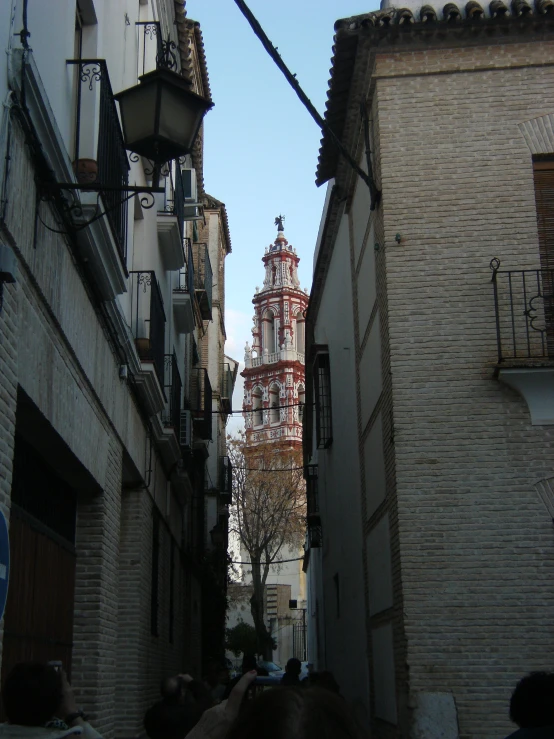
254	410
304	99
263	564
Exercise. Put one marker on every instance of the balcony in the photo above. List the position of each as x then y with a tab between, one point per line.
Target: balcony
171	219
100	160
166	426
225	480
226	389
183	311
203	279
524	314
148	330
201	402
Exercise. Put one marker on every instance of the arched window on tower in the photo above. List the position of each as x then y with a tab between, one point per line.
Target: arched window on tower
274	415
258	415
300	333
301	402
268	332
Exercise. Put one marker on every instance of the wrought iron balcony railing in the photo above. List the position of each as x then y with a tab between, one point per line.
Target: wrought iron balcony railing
226	480
149	45
173	198
524	311
226	389
100	155
173	387
201	402
203	279
148	320
186	275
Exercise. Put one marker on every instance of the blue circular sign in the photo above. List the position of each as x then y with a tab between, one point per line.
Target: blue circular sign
4	562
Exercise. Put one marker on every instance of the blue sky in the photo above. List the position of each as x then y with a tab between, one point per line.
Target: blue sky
261	145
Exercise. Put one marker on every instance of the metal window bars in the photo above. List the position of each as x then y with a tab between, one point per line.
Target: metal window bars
99	144
323	419
173	387
524	313
148	320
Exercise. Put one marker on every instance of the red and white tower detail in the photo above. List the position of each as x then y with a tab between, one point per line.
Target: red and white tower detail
274	365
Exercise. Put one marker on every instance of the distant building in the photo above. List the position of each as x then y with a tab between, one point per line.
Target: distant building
431	366
273	405
274	366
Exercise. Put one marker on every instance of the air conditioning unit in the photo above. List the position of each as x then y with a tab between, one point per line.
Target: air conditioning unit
185	431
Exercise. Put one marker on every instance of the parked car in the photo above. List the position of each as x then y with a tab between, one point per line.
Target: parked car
272	669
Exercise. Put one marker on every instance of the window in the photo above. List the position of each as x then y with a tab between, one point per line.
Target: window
543	171
258	415
322	382
268	325
274	404
154	578
300	335
301	402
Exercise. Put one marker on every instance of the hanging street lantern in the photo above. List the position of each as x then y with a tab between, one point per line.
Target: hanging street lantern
161	116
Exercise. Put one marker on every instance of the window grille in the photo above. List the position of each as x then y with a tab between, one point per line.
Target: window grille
322	377
543	174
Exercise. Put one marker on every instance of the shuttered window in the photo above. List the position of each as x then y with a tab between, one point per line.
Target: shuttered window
543	171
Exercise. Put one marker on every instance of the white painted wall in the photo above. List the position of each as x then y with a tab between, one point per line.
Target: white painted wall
344	635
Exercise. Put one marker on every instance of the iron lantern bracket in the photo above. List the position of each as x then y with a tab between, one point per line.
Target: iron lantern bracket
73	208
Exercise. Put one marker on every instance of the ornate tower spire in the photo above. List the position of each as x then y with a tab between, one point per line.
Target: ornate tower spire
274	365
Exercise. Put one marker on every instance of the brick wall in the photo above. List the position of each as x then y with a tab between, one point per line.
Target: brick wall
476	549
54	345
8	397
96	597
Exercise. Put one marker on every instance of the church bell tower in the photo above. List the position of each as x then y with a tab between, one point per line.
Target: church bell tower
274	386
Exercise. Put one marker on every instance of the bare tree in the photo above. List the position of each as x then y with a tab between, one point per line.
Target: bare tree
267	516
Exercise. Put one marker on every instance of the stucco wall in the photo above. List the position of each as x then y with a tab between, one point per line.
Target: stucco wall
339	491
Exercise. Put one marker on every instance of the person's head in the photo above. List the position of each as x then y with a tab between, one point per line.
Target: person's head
172	689
293	666
248	663
532	702
32	693
292	713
